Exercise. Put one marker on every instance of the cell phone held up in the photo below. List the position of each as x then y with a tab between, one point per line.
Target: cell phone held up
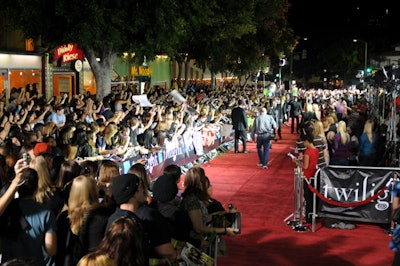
27	158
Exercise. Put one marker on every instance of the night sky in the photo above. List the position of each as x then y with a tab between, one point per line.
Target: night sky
344	19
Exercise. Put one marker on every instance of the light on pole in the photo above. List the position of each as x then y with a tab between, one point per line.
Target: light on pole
282	62
280	77
365	53
365	56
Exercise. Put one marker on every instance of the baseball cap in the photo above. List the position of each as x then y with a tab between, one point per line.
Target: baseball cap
123	187
41	147
165	188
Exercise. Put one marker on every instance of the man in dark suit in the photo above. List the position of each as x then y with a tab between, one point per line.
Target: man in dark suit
239	122
295	112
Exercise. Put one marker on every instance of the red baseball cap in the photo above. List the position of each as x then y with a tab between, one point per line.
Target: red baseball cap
41	147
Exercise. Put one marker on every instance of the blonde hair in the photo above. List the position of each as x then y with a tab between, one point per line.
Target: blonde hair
48	128
316	110
46	187
91	141
342	130
319	130
109	131
309	108
96	259
334	117
330	121
368	129
82	198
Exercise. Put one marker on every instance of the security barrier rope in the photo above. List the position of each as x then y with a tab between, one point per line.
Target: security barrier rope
348	204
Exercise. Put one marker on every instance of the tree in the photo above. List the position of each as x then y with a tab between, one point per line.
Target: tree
214	32
103	29
272	39
219	33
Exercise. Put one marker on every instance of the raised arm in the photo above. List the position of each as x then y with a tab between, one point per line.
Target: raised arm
10	192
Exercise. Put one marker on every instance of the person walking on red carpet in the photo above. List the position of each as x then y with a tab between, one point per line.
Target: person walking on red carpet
295	112
262	130
239	122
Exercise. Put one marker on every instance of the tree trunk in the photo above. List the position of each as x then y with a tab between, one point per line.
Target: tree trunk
179	77
213	80
102	70
247	77
187	68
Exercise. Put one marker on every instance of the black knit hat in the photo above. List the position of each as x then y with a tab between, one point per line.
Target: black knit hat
165	188
123	187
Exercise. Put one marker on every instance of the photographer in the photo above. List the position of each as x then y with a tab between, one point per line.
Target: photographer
8	195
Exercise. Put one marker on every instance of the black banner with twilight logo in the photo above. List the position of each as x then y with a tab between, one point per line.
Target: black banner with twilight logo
356	184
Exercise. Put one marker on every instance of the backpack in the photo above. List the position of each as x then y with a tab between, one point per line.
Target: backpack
69	246
74	250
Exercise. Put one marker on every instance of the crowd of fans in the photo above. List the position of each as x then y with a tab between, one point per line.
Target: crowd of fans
350	130
75	188
353	127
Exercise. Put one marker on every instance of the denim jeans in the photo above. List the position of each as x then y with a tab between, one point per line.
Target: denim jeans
263	145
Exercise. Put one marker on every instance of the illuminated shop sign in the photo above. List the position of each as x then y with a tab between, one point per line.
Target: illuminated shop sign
140	71
67	52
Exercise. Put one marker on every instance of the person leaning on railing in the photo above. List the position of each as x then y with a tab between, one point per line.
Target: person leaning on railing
194	203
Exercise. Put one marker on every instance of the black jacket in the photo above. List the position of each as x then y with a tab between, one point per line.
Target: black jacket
295	109
69	251
239	118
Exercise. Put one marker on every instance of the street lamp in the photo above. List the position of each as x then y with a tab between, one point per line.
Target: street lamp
301	54
282	62
365	54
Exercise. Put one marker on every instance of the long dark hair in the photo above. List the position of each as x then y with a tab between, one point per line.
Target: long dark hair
196	183
30	184
68	171
123	242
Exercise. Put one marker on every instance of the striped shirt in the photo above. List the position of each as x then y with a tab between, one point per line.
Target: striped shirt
320	145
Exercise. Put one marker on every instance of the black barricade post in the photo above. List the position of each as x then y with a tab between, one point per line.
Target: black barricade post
392	223
314	213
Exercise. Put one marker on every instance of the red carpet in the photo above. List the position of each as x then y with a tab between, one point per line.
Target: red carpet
266	198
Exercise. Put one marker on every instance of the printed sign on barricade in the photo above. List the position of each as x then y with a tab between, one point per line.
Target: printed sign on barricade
178	151
356	193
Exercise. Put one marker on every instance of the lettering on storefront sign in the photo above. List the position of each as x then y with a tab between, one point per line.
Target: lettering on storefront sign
141	71
70	57
66	48
68	52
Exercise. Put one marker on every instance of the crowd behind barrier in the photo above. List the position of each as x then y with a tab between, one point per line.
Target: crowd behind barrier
353	132
122	125
75	135
160	126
